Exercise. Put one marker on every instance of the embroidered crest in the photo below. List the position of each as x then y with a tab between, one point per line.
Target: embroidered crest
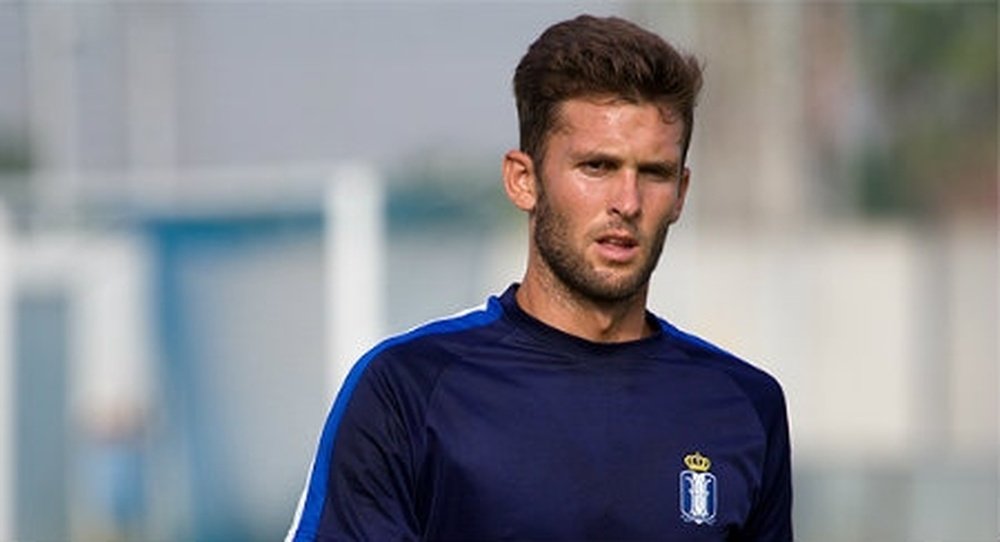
699	491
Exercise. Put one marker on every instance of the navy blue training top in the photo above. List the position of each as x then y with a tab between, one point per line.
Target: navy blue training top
495	426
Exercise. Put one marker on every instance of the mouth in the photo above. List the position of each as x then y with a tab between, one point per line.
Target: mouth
618	240
618	247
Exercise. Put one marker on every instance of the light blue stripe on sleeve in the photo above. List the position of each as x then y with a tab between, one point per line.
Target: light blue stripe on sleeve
310	509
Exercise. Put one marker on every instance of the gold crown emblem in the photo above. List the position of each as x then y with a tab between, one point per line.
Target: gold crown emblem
697	462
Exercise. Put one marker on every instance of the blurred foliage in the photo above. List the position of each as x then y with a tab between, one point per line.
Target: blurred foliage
14	155
425	203
15	169
932	145
426	194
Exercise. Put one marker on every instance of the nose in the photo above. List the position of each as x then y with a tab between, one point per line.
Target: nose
626	198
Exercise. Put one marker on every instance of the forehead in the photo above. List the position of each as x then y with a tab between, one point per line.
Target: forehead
668	113
609	120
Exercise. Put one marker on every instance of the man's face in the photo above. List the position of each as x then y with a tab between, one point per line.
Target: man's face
609	187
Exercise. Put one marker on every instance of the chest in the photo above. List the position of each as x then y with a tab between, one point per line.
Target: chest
602	453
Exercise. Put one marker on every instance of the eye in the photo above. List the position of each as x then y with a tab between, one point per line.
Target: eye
597	167
660	174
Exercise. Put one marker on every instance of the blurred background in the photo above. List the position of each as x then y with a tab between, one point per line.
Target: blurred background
209	210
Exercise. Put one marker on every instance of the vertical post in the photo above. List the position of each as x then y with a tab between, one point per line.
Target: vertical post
7	390
354	238
781	199
110	382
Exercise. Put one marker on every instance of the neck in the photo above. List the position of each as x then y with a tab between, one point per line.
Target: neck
557	305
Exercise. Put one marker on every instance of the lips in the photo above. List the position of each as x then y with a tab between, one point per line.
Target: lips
618	247
624	241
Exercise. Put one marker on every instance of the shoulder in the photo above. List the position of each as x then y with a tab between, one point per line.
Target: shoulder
398	375
432	345
760	387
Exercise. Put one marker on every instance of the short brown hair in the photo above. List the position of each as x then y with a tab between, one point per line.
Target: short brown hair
600	56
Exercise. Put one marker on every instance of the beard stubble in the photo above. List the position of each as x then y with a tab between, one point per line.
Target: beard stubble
570	266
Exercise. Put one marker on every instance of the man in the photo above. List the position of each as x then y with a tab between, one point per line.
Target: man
563	410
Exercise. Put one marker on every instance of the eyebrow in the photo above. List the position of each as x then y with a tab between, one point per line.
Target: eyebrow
661	167
594	156
665	168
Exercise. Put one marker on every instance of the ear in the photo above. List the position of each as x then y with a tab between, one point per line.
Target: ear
519	180
682	188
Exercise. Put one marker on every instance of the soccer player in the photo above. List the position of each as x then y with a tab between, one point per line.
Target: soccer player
562	409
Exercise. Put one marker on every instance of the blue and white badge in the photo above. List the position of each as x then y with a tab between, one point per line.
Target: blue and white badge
699	491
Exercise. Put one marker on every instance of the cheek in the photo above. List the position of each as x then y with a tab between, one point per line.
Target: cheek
673	210
665	211
589	190
575	203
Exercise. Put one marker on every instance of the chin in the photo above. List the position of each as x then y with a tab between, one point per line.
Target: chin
610	290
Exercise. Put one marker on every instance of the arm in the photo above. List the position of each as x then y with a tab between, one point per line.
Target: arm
360	487
771	516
